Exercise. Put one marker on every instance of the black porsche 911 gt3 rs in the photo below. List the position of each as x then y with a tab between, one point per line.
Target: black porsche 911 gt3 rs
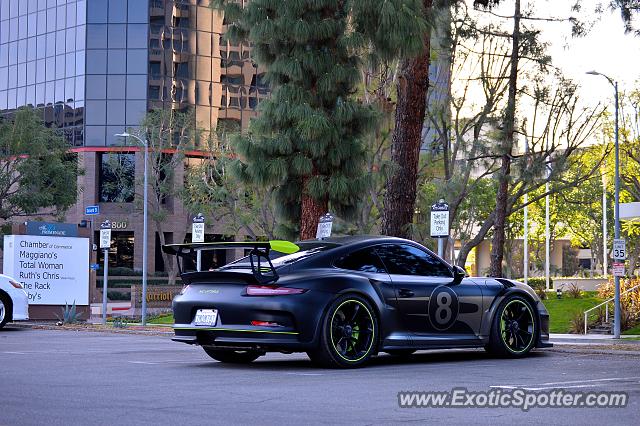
342	300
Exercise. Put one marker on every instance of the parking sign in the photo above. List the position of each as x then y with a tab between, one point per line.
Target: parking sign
440	220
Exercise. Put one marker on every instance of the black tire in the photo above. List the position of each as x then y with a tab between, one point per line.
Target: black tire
515	328
401	353
232	357
5	309
349	334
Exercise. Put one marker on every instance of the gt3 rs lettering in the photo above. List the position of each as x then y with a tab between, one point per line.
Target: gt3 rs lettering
443	308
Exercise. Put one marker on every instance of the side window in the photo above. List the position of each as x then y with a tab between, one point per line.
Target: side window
364	260
402	259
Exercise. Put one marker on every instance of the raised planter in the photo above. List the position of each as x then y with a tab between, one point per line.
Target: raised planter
586	284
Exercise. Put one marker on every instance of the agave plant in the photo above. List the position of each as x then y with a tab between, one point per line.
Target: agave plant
70	314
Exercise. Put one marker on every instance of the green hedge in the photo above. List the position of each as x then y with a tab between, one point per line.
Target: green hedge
539	283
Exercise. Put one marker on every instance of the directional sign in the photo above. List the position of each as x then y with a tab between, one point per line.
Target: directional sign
91	210
197	229
105	234
619	249
440	220
94	266
324	226
618	269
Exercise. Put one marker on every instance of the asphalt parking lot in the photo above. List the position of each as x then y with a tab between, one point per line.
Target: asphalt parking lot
76	377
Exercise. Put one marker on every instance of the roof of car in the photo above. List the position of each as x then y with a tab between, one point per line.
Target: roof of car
352	239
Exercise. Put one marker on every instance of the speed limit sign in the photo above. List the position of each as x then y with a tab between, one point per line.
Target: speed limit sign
619	249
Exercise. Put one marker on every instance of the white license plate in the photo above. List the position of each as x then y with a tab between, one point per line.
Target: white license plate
207	317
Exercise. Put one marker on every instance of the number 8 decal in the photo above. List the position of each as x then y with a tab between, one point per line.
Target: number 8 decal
443	308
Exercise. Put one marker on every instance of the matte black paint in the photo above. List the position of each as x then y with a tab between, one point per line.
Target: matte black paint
402	302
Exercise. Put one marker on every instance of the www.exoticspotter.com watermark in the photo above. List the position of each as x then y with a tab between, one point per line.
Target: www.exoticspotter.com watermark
513	398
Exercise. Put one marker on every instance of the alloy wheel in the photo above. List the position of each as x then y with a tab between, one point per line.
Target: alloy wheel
352	330
517	326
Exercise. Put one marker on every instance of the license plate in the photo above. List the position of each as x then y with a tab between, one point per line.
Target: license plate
207	317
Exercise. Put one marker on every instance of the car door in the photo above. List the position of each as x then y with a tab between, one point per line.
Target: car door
367	263
432	306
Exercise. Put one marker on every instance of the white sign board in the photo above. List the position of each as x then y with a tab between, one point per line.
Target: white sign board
618	269
105	238
52	270
440	223
324	230
619	249
197	233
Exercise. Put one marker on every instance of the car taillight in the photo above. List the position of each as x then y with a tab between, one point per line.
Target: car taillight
15	284
269	290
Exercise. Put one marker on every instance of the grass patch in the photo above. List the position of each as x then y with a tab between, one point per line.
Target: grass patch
633	330
162	319
562	310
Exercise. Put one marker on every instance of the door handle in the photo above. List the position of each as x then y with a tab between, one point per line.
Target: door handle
405	292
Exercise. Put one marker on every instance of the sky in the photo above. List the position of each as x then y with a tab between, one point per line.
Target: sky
606	48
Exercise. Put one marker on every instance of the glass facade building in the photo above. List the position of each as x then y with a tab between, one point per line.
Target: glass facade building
95	67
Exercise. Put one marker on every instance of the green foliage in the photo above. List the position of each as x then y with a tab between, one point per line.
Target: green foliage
573	292
308	138
70	314
212	189
37	170
537	283
576	323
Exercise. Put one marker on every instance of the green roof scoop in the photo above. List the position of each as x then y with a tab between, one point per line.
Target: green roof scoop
285	247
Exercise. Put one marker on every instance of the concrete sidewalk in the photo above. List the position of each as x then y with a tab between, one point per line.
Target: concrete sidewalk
592	339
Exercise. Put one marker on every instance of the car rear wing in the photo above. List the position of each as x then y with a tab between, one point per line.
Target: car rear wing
263	273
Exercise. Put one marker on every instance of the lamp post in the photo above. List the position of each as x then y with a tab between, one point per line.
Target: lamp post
616	208
144	221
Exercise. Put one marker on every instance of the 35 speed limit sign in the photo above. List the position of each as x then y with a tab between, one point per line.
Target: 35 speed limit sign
619	249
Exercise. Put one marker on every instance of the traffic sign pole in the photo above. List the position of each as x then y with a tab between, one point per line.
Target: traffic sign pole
197	236
105	243
440	223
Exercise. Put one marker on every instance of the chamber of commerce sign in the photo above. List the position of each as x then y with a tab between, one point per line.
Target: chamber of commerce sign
52	270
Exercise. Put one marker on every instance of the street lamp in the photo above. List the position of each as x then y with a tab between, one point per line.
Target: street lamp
616	209
144	221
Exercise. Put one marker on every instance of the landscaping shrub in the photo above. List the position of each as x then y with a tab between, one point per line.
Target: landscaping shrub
576	323
630	314
574	292
539	283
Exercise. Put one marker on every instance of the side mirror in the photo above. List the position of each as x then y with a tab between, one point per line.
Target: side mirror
458	274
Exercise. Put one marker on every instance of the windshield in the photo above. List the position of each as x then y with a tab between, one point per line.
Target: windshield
280	259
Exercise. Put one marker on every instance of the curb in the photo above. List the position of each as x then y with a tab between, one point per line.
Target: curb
147	331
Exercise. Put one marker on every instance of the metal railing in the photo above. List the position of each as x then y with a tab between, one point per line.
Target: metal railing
606	305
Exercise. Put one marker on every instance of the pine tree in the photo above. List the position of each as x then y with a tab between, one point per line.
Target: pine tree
307	139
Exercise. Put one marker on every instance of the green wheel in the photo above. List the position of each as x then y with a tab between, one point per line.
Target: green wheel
514	329
349	334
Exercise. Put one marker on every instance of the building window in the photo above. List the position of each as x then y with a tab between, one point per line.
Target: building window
117	178
121	250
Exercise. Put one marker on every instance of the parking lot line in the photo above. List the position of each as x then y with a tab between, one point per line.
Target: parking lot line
568	384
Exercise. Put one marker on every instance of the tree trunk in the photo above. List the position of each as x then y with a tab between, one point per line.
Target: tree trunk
412	86
497	249
312	209
633	259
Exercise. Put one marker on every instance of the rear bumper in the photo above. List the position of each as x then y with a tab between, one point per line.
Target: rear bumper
240	338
